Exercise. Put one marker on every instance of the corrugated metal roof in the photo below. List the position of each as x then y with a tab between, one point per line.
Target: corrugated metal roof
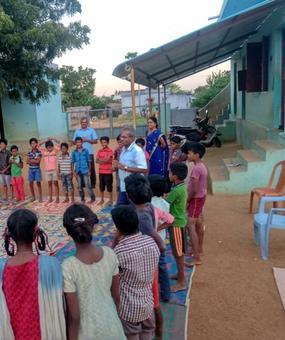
198	50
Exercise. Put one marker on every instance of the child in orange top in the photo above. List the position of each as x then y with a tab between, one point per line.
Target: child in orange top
51	167
104	159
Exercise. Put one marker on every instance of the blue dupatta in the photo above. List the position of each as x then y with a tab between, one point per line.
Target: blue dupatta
159	157
52	319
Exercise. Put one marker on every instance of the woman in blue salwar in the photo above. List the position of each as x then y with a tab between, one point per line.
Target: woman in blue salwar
157	148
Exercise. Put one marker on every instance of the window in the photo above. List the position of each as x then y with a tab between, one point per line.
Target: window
257	66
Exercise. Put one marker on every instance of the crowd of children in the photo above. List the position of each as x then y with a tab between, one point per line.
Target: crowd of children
110	294
59	164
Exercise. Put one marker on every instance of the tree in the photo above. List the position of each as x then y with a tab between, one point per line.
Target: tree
214	84
31	36
131	55
78	86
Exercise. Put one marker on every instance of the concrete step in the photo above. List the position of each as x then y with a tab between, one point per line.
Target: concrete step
264	148
241	173
249	157
233	166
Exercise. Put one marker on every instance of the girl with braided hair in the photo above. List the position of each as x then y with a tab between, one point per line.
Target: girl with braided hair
91	281
31	293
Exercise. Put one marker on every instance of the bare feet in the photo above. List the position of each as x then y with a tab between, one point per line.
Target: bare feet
193	263
50	200
178	287
57	200
101	202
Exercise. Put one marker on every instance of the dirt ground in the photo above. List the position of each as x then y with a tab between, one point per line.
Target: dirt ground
233	294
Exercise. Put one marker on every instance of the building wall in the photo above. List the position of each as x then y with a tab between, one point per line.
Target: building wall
180	101
20	122
25	120
261	109
51	120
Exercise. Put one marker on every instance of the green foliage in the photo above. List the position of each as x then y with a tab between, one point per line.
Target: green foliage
31	36
78	88
214	84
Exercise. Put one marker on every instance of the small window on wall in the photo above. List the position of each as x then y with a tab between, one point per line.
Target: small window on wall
257	66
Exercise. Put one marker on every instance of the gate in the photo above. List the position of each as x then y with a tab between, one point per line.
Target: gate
106	122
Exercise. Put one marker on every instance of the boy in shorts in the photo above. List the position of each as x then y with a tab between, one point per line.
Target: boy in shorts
51	168
81	167
65	172
35	175
139	193
197	192
5	168
138	257
177	198
105	159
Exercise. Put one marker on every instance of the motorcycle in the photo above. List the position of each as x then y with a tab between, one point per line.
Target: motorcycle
204	132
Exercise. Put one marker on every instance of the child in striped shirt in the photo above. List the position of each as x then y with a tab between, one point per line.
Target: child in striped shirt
65	172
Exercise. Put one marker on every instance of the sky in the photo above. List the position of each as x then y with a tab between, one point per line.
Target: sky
118	27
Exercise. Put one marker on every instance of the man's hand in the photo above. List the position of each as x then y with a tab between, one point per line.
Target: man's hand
121	166
115	164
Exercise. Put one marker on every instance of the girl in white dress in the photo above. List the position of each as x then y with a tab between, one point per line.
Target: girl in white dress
91	281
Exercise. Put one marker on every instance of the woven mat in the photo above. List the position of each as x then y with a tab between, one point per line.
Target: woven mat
57	208
50	219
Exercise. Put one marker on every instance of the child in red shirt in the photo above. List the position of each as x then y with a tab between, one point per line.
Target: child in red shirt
105	158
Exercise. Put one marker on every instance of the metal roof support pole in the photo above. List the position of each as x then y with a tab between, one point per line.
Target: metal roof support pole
133	97
149	101
165	107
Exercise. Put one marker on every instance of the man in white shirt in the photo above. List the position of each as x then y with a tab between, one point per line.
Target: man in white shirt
132	160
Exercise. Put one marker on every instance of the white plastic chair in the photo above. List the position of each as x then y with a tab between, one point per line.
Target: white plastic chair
263	222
